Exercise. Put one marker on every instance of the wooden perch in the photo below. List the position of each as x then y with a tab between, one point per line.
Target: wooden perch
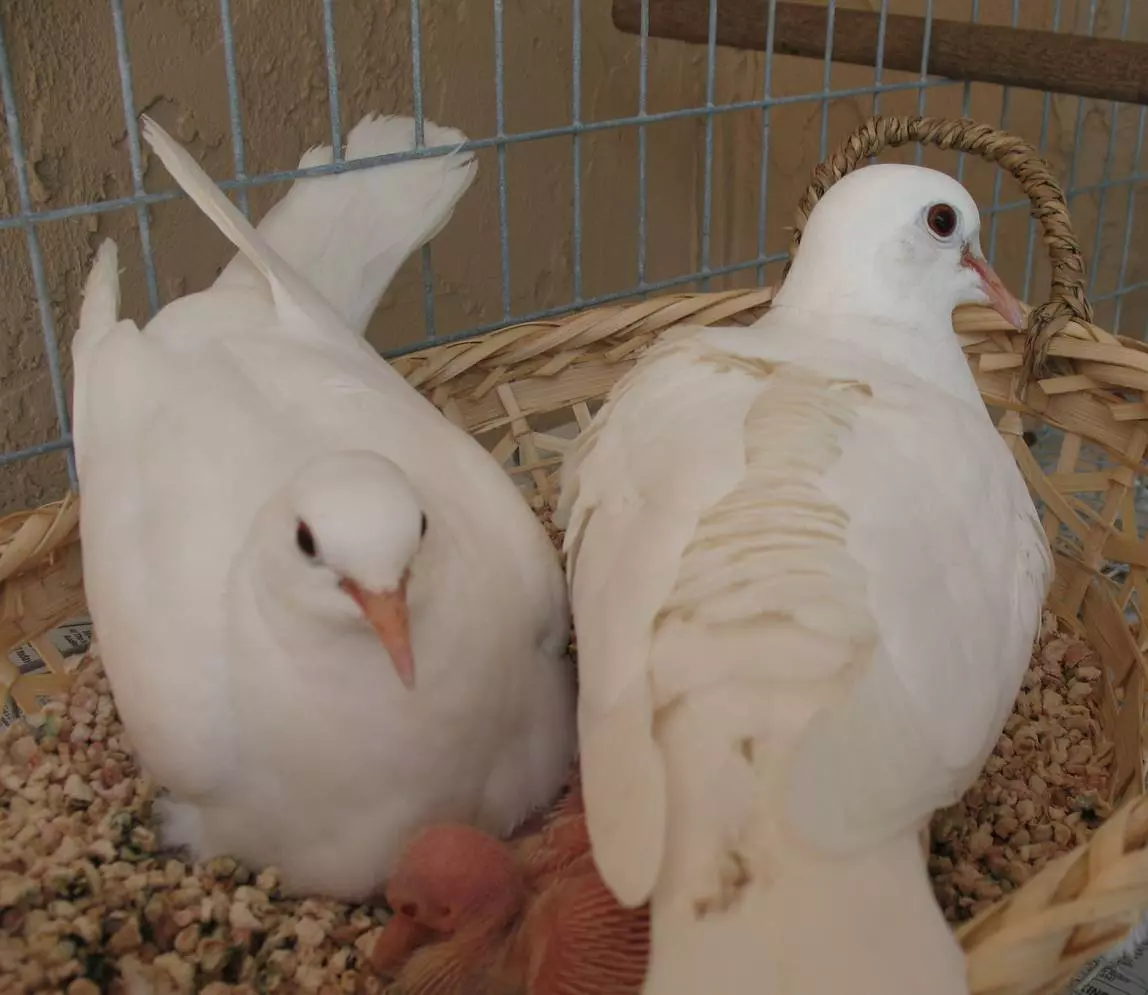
1036	60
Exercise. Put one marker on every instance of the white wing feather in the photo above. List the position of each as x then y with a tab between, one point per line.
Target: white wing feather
850	605
957	568
633	492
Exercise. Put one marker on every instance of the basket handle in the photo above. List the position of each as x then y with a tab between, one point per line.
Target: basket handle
1066	299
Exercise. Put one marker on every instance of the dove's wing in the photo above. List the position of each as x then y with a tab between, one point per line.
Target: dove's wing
666	447
738	523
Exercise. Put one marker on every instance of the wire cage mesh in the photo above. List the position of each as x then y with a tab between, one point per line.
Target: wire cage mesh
611	166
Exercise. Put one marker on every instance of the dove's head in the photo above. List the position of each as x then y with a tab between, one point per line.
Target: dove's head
340	543
896	240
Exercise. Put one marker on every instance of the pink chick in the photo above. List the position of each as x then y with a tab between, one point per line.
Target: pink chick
476	916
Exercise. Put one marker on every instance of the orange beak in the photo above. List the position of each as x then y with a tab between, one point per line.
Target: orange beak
386	611
1000	298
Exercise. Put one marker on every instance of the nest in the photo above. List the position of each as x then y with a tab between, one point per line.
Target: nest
89	904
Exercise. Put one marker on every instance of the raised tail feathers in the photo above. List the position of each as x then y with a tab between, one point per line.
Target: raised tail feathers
99	314
289	291
348	233
100	309
207	196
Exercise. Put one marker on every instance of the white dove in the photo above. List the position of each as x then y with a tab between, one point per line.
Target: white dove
806	575
327	615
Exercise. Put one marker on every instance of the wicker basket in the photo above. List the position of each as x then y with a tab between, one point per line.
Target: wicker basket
520	388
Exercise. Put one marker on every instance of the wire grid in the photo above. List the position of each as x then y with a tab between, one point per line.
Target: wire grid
28	218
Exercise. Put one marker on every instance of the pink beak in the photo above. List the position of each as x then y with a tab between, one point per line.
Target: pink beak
1000	298
386	611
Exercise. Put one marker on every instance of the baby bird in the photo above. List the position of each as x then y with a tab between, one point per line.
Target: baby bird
475	916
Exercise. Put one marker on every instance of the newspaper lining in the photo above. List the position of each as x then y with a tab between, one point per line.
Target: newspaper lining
1121	971
71	639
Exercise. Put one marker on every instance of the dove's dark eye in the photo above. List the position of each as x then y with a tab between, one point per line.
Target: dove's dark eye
423	526
305	540
942	220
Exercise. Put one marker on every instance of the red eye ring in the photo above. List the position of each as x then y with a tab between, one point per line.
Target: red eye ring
942	220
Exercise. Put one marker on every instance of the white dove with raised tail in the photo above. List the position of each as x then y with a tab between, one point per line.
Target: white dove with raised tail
328	616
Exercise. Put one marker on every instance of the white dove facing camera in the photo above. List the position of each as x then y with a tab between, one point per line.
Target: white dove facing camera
372	624
806	575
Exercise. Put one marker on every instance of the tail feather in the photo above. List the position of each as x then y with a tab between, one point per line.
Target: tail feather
100	309
348	233
99	314
291	294
320	155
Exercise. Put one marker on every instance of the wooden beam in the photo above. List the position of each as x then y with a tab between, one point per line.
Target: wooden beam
1037	60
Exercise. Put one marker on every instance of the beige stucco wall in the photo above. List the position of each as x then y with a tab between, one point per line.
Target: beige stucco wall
63	55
